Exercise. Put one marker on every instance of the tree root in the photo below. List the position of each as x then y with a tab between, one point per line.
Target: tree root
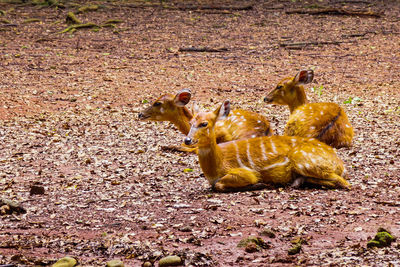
88	8
72	19
75	27
31	20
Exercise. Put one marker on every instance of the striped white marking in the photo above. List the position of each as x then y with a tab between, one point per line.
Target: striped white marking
278	164
249	159
259	122
272	146
347	126
264	154
239	161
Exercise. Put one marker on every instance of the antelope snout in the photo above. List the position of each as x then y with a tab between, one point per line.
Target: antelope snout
267	99
188	141
141	116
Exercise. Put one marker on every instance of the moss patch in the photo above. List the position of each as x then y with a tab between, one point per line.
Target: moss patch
251	241
382	239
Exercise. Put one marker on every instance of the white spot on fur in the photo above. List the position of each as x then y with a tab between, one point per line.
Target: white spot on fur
313	150
313	161
293	141
253	136
219	123
309	135
241	123
348	126
162	110
312	128
300	166
307	165
322	113
316	118
259	122
278	164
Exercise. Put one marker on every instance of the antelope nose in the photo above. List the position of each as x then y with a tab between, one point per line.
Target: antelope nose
188	141
141	116
267	99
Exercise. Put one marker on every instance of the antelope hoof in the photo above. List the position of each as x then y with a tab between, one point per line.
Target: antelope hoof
298	182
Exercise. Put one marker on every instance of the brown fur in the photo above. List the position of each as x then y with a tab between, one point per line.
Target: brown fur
268	160
327	122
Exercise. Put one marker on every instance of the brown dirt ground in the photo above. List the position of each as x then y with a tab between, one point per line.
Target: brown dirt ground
69	106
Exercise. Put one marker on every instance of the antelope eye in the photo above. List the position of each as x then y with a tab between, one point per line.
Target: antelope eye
157	104
279	87
203	124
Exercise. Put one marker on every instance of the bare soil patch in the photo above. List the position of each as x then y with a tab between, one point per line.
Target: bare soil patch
69	106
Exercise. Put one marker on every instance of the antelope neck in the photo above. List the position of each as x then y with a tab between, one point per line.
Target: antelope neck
182	120
300	99
210	156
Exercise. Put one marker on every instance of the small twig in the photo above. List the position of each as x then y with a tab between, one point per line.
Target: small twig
202	49
336	12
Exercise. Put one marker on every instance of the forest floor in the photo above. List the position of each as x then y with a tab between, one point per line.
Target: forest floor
69	108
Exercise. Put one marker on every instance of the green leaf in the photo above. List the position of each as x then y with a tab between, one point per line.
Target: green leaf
188	170
145	101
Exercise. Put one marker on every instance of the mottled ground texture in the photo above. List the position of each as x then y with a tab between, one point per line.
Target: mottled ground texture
69	107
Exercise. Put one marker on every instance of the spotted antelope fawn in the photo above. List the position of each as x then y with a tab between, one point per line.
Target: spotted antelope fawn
326	122
241	124
250	164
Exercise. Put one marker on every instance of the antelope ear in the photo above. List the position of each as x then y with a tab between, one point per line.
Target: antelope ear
223	111
195	108
182	97
304	76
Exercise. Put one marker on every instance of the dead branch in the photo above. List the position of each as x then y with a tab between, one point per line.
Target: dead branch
388	203
336	12
300	45
202	49
8	25
228	8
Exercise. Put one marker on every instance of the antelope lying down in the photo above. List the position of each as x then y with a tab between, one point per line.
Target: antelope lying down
251	163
